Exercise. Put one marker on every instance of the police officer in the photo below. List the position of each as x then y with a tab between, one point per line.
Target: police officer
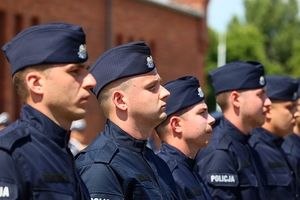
267	140
117	164
77	140
228	165
291	143
4	120
186	130
49	66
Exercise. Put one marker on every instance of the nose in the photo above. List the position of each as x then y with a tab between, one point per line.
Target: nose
267	102
89	81
164	94
211	120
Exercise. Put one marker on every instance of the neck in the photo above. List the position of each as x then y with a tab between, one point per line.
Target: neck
138	131
238	123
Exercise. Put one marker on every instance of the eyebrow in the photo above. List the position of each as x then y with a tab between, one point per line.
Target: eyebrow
82	65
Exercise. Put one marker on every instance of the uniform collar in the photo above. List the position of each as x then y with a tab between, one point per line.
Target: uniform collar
267	136
175	154
45	125
232	131
124	139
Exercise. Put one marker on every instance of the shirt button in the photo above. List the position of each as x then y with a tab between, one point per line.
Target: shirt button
292	172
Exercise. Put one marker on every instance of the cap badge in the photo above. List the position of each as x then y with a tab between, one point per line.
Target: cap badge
295	95
262	80
150	62
200	93
82	51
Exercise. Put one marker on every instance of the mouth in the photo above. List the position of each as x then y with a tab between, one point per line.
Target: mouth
85	99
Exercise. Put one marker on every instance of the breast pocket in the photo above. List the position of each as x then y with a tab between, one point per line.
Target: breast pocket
279	179
248	179
42	194
145	192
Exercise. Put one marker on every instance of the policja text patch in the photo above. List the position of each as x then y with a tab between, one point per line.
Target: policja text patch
8	190
228	180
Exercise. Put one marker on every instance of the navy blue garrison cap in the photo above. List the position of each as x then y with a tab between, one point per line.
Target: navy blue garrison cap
46	44
298	81
185	92
281	88
122	61
238	75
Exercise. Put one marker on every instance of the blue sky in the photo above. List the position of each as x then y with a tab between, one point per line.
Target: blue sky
220	13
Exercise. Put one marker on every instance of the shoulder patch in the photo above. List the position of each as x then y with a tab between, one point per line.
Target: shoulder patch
8	190
11	136
222	179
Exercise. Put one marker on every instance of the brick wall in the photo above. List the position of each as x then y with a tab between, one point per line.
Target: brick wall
178	40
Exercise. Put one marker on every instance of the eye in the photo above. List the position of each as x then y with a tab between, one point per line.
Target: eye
152	88
75	71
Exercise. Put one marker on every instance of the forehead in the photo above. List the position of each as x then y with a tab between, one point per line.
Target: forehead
284	104
147	77
70	65
253	91
198	106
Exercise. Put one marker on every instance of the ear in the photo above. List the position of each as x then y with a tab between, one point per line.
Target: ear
118	99
235	99
34	82
176	124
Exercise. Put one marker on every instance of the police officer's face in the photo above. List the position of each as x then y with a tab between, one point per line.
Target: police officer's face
196	126
282	117
66	90
146	99
298	115
254	106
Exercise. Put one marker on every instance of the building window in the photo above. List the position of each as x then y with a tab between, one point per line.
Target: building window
152	48
17	101
119	39
2	40
34	21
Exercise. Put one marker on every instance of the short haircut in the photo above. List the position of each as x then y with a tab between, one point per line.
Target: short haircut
19	79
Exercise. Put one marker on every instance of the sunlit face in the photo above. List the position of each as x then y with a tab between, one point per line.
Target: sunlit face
196	125
146	99
298	117
283	118
66	90
254	105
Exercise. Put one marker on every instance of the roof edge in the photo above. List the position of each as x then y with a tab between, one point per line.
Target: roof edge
185	9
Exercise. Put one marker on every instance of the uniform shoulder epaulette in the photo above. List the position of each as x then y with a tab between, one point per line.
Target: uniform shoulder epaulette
106	156
172	164
10	135
253	141
224	143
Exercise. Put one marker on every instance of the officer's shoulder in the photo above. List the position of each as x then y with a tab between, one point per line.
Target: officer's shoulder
254	140
13	134
101	150
224	143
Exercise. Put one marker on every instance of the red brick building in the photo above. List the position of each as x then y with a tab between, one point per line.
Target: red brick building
175	30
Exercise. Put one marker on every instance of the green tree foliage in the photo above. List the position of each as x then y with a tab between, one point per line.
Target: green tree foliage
269	33
211	63
244	42
278	21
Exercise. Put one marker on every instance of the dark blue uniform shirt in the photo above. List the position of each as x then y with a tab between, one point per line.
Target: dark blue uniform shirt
189	183
291	147
35	160
281	177
228	166
118	166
